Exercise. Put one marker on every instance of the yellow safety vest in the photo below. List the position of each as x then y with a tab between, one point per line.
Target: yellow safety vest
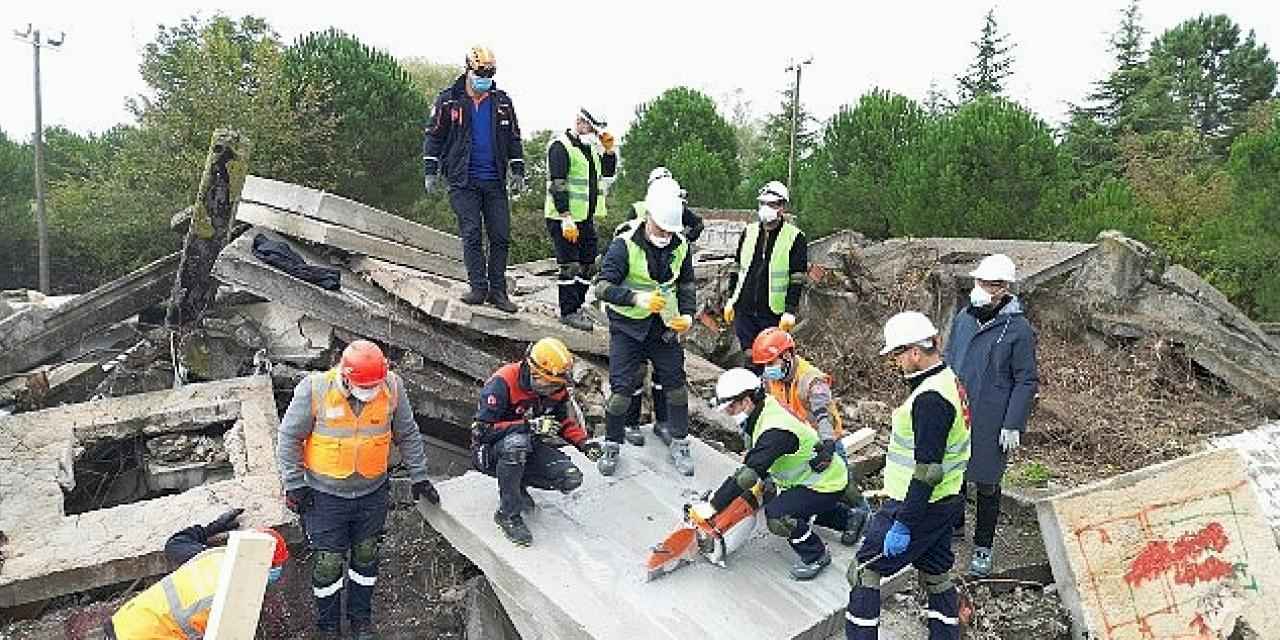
639	280
794	395
792	469
900	460
779	264
177	606
342	443
578	182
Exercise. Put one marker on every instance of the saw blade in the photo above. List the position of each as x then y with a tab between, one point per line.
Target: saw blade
680	548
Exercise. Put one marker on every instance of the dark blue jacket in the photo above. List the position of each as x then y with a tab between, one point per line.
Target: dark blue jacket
446	148
997	364
613	273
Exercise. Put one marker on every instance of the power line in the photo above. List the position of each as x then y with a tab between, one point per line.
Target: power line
33	37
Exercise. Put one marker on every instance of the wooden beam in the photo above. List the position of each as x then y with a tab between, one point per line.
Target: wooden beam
241	584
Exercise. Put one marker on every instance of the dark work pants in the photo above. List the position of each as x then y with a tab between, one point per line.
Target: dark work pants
520	460
929	552
336	524
660	413
627	357
749	325
988	508
806	507
580	256
482	208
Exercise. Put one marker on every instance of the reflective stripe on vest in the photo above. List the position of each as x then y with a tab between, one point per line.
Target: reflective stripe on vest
792	469
779	264
158	612
900	460
342	443
578	182
639	280
794	395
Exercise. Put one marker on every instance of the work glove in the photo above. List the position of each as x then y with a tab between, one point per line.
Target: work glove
299	500
424	489
431	182
569	230
1010	439
515	182
728	314
228	521
896	540
606	141
651	300
592	450
680	323
823	452
787	322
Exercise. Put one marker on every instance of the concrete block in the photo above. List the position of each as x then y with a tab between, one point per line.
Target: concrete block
242	582
291	335
51	554
1177	550
1260	449
584	576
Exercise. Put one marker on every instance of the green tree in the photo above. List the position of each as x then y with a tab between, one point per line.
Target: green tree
377	108
430	78
992	64
682	130
774	150
17	223
1251	255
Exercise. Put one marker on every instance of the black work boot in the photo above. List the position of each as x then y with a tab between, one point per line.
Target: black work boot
500	300
526	500
809	570
514	528
474	297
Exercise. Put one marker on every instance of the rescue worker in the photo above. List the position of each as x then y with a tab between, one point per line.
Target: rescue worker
333	451
924	470
773	263
805	391
783	449
580	161
992	348
178	606
523	406
473	141
647	285
693	226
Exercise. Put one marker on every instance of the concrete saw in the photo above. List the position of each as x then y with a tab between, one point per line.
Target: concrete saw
713	535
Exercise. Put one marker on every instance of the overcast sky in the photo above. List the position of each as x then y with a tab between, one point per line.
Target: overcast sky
612	56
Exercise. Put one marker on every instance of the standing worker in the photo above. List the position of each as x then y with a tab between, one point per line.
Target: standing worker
473	140
692	222
333	451
647	285
923	473
579	161
178	606
523	406
783	448
992	348
773	263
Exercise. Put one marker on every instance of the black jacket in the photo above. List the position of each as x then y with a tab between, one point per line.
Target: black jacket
755	290
613	273
446	148
558	169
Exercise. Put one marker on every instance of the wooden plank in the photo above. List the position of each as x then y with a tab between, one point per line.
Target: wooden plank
332	235
342	211
241	584
858	439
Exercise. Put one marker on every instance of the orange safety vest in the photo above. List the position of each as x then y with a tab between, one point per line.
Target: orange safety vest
342	443
177	607
794	395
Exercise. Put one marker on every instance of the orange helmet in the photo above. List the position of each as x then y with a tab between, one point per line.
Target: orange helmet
281	554
770	344
550	361
363	364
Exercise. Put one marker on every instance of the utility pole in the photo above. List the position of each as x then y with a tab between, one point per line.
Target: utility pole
795	115
42	227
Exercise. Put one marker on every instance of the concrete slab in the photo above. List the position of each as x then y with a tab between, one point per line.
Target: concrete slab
291	334
1037	262
584	576
51	554
1177	550
1260	449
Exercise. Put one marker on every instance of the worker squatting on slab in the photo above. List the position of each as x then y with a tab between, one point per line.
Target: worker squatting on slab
525	409
333	451
924	470
773	263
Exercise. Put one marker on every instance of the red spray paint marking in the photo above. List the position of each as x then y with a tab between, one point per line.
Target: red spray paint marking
1160	556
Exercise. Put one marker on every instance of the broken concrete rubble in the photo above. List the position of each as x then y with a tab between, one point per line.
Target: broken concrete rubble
1260	449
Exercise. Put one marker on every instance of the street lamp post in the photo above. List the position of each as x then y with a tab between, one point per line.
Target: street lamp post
795	114
33	37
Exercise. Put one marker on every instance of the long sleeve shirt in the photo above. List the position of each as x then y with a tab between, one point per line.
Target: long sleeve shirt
931	420
558	169
754	298
613	275
771	445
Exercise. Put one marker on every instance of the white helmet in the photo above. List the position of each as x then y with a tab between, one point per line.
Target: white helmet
996	268
905	329
664	205
596	123
734	383
774	191
658	173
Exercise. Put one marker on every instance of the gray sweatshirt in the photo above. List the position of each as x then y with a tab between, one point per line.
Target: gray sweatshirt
296	426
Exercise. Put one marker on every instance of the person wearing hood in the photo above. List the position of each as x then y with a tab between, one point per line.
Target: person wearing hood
473	142
773	262
992	348
581	162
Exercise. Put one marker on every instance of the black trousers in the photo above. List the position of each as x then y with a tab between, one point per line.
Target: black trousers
336	524
575	259
988	508
749	325
627	357
519	460
482	208
806	507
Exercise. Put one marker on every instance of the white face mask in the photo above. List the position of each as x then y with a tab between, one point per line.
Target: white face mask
659	242
767	213
364	394
741	418
589	139
979	297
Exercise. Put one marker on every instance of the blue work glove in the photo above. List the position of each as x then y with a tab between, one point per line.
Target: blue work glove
896	540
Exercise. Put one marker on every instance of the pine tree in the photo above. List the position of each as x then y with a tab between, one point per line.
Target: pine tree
993	65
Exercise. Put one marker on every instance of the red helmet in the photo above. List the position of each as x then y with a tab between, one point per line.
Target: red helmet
363	364
281	554
770	344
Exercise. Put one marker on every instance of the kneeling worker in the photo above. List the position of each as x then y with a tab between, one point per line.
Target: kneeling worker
178	606
523	406
924	470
